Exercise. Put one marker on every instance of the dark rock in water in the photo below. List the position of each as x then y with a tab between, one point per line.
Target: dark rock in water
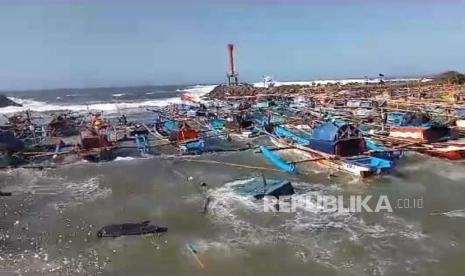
126	229
4	102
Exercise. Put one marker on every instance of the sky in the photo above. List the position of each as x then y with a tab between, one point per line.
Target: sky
90	43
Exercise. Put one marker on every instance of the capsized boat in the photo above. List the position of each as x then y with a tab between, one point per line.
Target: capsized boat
259	187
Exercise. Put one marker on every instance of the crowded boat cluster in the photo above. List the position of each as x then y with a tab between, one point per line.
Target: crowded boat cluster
362	129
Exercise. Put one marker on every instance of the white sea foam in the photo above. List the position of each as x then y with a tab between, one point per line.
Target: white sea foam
455	214
308	230
108	106
118	95
127	158
198	90
47	183
341	81
39	106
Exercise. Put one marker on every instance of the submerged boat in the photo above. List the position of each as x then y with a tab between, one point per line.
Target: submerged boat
260	187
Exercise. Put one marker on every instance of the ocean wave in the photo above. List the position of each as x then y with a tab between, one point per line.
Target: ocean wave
308	229
46	183
198	90
40	106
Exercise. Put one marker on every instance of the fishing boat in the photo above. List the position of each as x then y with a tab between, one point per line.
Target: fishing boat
9	147
335	145
240	126
363	108
378	150
449	150
63	125
95	146
259	187
432	139
95	143
182	134
217	128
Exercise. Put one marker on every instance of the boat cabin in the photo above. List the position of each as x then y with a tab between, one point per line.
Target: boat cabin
338	138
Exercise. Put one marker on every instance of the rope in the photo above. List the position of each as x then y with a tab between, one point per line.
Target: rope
232	165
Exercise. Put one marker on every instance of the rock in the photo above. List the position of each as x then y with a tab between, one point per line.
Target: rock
451	77
4	102
222	91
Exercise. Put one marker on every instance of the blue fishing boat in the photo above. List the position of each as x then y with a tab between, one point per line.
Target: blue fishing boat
216	123
195	146
217	127
380	151
337	145
296	137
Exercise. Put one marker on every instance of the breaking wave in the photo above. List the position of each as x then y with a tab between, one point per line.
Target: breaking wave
46	183
119	95
40	106
314	233
198	90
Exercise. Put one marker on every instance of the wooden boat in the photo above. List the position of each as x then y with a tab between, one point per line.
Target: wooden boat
259	187
95	146
181	134
432	140
9	147
94	141
332	145
425	134
63	125
451	152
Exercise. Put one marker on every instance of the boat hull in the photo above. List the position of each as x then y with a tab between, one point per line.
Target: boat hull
325	161
448	153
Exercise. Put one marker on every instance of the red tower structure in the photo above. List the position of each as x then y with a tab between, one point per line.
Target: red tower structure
232	75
